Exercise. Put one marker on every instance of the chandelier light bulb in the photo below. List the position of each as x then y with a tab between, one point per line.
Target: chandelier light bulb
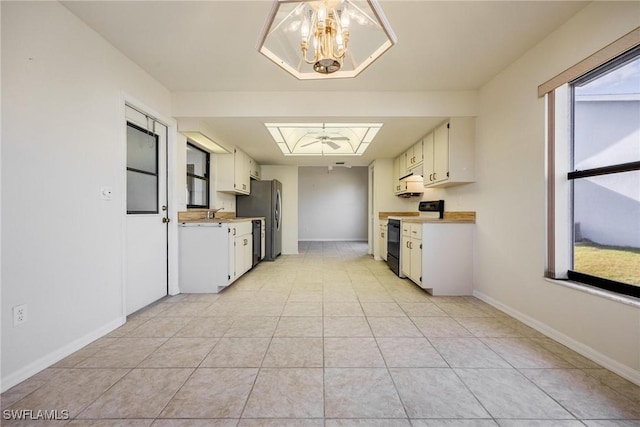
339	41
322	13
344	18
304	29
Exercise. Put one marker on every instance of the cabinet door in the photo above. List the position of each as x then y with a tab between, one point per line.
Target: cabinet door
427	163
239	257
416	260
417	153
382	239
408	161
441	153
232	254
247	245
246	176
406	256
241	171
399	171
394	177
254	169
413	156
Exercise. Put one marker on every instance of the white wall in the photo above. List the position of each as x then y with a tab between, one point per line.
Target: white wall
288	176
332	204
62	139
509	197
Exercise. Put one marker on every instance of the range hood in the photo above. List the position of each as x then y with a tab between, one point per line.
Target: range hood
414	188
414	174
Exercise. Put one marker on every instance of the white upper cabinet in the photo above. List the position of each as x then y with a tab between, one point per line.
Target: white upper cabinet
233	174
413	156
449	153
427	164
254	169
399	171
440	154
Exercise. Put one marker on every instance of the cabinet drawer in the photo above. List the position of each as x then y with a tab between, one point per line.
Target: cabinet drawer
416	231
241	228
406	229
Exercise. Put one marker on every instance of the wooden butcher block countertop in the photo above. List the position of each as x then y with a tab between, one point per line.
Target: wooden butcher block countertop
449	218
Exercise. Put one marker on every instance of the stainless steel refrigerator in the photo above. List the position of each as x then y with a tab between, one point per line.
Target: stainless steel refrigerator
265	200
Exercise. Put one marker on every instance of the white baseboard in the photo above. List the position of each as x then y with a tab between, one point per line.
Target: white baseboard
59	354
605	361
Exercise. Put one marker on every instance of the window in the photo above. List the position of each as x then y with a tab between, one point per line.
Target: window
605	176
142	170
197	177
593	169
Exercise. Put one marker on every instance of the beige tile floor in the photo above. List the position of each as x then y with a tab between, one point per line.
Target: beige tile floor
331	338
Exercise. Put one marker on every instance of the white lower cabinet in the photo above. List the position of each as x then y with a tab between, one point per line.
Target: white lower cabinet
447	258
243	244
382	240
412	251
438	256
213	255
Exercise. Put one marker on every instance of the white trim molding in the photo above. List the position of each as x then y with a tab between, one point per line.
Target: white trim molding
59	354
586	351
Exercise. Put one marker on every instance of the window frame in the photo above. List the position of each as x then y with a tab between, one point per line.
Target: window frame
560	98
205	178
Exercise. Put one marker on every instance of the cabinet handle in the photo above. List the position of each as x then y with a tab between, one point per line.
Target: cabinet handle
410	245
234	231
434	176
244	242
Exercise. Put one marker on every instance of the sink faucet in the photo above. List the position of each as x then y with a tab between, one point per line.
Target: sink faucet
211	214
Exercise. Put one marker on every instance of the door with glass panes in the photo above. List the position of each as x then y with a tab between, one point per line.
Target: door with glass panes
146	217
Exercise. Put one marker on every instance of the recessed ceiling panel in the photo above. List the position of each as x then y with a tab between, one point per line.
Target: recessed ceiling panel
323	139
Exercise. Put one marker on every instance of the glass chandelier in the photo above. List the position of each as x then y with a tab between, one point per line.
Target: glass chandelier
318	39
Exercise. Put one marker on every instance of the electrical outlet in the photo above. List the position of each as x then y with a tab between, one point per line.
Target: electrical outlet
19	314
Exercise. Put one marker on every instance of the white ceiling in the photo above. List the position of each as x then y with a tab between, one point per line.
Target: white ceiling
210	46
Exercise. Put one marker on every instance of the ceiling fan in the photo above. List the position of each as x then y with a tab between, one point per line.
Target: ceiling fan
328	140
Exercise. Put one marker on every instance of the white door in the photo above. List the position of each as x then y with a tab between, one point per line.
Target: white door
146	221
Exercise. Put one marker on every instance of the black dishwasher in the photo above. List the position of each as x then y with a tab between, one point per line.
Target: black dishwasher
393	245
257	241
